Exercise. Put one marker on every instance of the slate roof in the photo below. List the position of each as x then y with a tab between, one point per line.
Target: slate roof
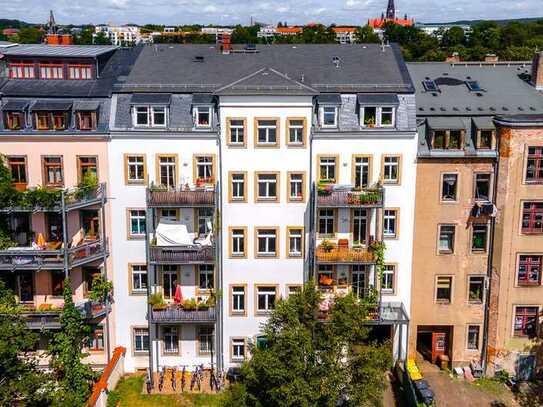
201	68
64	51
504	90
116	69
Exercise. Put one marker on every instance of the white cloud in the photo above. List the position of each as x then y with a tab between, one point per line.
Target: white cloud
239	11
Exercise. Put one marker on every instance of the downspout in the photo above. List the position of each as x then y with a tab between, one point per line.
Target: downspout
150	283
312	212
484	349
104	259
65	234
218	197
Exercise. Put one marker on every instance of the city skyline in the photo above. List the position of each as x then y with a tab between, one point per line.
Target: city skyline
178	12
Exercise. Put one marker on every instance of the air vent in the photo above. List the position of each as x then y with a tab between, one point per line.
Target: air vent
479	94
198	58
336	61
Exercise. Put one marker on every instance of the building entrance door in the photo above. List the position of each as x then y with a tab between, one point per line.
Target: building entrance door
439	345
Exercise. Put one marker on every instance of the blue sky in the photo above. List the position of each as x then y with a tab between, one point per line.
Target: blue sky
270	11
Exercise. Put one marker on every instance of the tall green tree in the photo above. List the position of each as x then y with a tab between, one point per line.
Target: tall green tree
20	379
74	378
366	35
101	39
30	35
306	361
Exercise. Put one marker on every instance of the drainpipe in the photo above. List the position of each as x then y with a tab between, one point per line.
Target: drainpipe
219	306
104	259
65	233
150	283
484	349
312	213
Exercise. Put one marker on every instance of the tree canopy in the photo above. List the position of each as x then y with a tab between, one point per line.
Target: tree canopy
307	361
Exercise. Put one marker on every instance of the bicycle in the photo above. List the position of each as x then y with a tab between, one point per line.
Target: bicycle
183	378
174	378
148	383
161	379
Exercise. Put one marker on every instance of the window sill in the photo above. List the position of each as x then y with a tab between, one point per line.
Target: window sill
238	256
266	256
445	252
443	302
263	313
475	302
137	353
138	293
295	256
528	285
135	183
267	200
238	314
259	145
296	145
136	237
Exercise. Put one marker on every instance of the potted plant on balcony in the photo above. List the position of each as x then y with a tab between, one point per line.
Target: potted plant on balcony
190	304
326	246
324	187
101	290
87	187
157	302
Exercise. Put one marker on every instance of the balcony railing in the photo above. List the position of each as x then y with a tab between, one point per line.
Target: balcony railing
197	197
175	314
49	317
30	258
344	255
181	254
329	197
51	200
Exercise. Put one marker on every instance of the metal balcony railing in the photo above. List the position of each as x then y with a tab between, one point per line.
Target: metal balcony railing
344	255
50	318
198	197
181	255
19	258
329	197
176	314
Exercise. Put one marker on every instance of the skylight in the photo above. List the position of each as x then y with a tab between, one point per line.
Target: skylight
473	86
430	86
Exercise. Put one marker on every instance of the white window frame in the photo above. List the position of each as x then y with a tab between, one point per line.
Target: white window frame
295	186
136	335
239	300
238	185
154	111
395	162
172	333
196	111
362	164
378	116
132	161
141	220
268	235
388	220
204	163
170	167
329	162
329	214
209	335
267	128
295	235
236	130
265	291
299	131
138	270
239	240
322	114
135	116
478	337
150	116
209	271
389	274
267	183
238	343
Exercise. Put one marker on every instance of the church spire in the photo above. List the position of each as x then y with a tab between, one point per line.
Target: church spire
391	10
51	25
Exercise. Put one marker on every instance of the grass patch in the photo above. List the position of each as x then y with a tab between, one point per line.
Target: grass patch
129	393
490	386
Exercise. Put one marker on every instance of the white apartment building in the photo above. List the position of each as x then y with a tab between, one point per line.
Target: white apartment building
235	170
120	35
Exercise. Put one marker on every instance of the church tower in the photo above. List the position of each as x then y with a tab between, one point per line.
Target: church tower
391	10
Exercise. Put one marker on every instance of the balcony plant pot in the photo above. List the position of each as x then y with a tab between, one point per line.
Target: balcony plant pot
159	307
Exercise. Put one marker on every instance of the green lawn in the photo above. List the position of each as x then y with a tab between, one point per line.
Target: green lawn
129	393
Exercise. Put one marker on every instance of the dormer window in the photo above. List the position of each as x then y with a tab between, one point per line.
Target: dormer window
21	71
377	116
202	116
329	116
51	115
86	120
86	114
14	120
485	133
80	72
51	71
447	139
149	116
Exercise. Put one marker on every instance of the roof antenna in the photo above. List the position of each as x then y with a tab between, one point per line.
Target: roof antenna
302	78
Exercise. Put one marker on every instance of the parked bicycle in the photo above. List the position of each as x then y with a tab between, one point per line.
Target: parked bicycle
174	378
183	378
161	379
148	382
196	379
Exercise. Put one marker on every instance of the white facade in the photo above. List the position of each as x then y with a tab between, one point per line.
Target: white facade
129	251
280	271
267	32
345	37
120	35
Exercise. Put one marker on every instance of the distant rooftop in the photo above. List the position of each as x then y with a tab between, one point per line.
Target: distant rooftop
474	89
75	51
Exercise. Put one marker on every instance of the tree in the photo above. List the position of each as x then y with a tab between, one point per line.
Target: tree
29	35
318	34
74	378
20	379
453	36
85	37
101	39
307	362
366	35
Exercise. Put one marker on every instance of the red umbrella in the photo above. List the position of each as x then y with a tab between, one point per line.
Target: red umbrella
178	297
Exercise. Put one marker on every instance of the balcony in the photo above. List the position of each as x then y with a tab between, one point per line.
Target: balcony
47	316
204	196
176	314
181	255
33	258
42	199
346	196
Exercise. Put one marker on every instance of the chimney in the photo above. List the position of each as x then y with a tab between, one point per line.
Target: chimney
224	42
453	58
537	71
491	58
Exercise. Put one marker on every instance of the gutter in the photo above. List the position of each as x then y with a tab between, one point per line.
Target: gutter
490	267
